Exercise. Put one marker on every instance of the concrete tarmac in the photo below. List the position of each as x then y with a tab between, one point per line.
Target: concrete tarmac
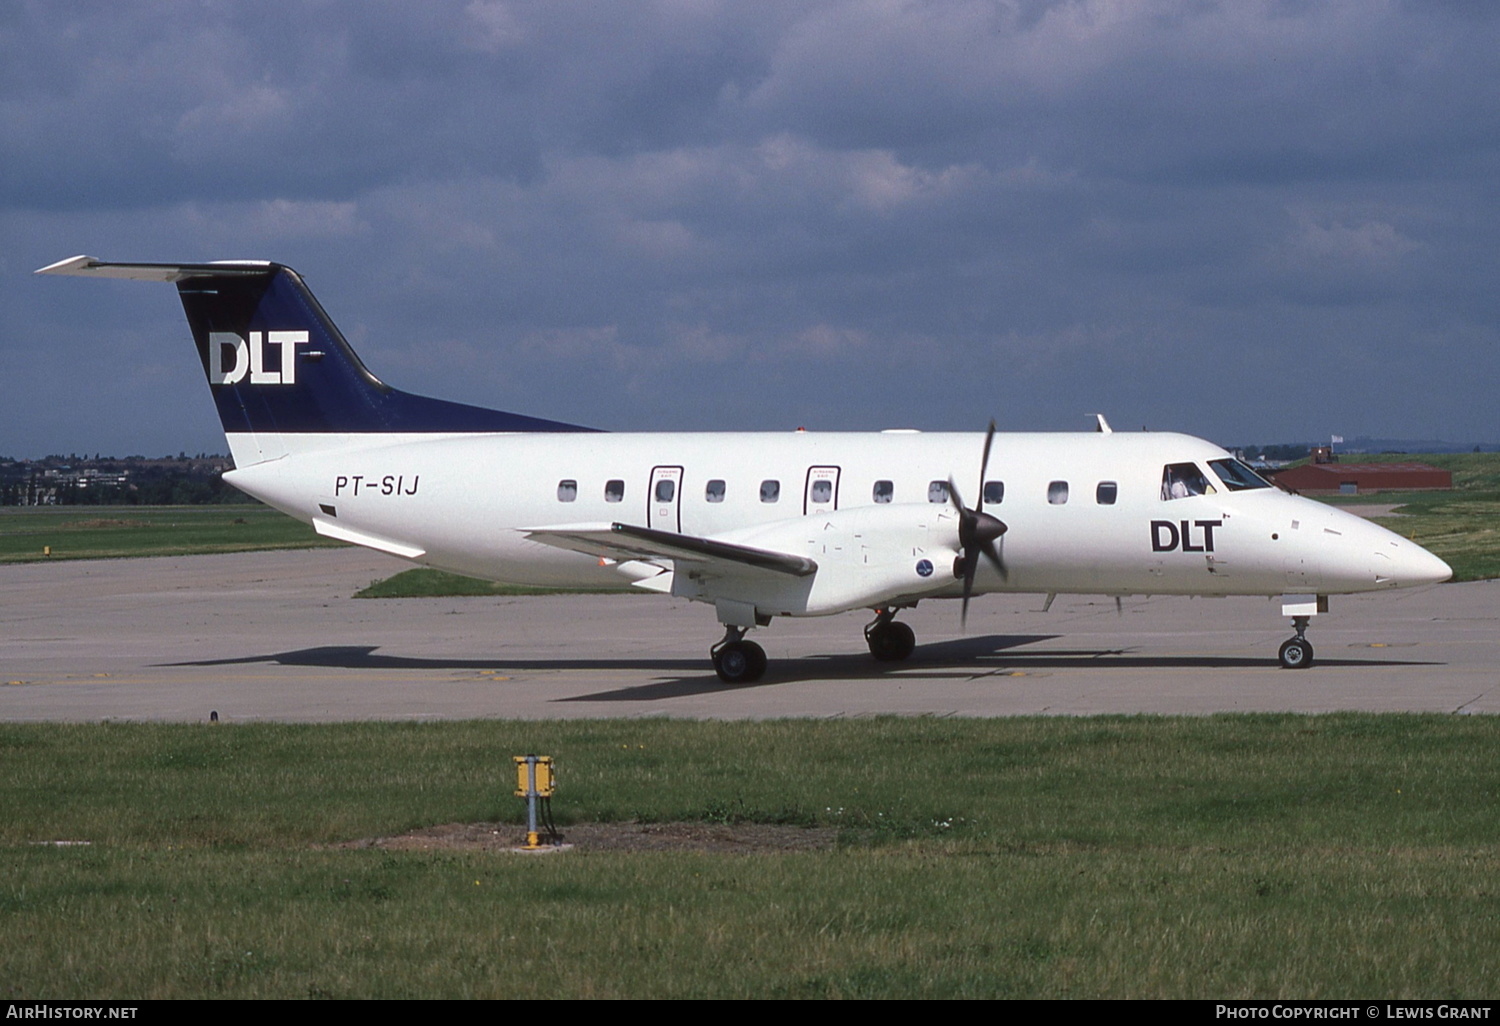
276	636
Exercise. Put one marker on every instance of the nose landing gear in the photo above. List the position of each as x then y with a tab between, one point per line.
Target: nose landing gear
1297	653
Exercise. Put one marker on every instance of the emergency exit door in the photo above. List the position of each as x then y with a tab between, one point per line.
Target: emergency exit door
821	495
664	499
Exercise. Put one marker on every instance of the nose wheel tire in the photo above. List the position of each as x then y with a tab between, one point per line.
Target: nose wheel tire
739	662
891	642
1296	654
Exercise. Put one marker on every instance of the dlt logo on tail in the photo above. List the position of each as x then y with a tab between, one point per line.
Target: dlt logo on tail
248	357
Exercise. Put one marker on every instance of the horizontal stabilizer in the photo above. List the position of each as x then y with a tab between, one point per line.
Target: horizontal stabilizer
624	542
91	267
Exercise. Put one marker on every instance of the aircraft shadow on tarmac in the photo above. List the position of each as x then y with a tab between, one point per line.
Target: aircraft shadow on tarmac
958	659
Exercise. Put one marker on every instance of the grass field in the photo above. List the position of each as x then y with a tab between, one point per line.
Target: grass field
1228	856
109	532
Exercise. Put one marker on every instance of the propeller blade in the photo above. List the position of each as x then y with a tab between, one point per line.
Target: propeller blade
984	463
971	564
994	557
957	500
977	530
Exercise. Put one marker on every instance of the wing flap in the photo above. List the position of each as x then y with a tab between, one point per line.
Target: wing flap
624	542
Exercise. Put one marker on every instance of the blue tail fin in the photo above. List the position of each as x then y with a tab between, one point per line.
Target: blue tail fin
278	366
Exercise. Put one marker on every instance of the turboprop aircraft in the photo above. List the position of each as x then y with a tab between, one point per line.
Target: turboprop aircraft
758	525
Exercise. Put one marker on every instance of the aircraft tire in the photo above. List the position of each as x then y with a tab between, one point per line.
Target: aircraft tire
740	662
891	642
1296	654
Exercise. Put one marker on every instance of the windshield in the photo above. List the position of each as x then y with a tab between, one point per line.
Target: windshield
1236	476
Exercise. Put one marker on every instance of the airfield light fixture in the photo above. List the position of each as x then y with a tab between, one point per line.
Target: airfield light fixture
536	779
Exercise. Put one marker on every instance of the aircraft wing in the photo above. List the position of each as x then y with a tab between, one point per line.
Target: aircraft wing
623	542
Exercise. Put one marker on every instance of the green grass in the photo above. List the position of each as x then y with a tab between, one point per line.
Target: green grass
1227	856
427	583
1462	525
110	532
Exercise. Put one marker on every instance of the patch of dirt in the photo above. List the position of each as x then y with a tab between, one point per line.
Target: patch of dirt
1372	511
105	522
715	838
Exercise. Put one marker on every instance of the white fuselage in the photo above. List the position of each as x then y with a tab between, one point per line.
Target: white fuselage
467	503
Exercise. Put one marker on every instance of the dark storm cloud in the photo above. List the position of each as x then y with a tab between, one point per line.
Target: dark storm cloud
1246	220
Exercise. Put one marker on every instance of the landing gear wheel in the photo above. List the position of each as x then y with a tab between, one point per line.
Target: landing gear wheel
739	662
891	642
1296	654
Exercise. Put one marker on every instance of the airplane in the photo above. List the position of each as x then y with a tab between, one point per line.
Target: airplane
758	525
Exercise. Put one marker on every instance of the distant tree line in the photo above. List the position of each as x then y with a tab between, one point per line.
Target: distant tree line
108	481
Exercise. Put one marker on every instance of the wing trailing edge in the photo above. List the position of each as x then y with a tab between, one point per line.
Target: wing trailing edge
624	542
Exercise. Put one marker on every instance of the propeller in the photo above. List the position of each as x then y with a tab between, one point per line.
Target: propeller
977	530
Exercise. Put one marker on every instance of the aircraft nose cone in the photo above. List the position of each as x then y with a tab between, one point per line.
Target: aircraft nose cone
1415	565
1363	546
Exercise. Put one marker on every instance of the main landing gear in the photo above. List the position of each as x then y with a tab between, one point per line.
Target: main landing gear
1296	653
736	660
889	641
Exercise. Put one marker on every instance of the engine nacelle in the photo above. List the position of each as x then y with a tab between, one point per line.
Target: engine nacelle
864	555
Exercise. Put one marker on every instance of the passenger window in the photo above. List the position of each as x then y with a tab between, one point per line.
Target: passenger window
884	491
770	491
937	491
994	493
614	491
665	489
567	491
822	491
1057	493
1180	480
714	492
1106	493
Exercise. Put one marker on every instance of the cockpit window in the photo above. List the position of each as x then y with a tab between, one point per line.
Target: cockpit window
1179	480
1236	476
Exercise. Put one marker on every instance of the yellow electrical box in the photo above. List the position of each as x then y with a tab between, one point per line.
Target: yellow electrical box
546	781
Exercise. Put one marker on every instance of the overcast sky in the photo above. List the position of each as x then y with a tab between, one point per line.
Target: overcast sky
1250	221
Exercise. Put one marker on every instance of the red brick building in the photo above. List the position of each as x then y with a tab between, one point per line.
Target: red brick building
1362	478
